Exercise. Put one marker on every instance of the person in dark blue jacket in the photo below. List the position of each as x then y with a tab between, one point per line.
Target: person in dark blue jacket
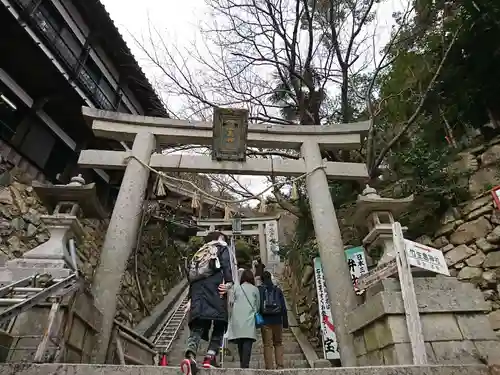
273	310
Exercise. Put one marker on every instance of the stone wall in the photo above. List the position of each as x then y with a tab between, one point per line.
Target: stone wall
300	290
21	230
470	240
469	235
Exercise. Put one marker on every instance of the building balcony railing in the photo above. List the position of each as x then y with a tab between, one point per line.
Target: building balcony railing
66	56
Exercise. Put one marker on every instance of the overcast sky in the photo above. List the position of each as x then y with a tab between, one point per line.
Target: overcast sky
179	22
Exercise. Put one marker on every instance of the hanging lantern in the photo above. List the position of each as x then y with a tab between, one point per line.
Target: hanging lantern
160	187
227	212
262	207
195	201
236	225
295	192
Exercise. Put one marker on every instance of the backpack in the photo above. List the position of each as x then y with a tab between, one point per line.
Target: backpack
271	303
205	262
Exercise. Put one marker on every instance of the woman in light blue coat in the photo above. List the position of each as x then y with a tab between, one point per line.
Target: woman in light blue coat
242	330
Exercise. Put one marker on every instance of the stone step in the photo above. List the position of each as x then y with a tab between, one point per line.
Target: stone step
256	357
261	365
86	369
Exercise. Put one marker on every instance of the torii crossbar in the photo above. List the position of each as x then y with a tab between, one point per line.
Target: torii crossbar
150	133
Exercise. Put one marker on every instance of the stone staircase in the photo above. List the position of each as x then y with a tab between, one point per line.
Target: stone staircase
293	358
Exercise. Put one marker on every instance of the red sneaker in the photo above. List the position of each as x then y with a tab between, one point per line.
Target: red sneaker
210	361
188	366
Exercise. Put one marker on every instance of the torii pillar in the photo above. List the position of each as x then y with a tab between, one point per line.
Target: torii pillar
120	240
331	251
124	224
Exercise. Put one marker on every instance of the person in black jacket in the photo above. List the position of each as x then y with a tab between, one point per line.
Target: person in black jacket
274	322
208	306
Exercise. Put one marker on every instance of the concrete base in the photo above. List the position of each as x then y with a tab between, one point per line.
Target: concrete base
455	326
69	369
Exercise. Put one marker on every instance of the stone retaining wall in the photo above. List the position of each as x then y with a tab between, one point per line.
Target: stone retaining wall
469	237
21	230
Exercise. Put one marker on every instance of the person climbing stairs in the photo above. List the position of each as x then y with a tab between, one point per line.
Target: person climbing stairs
293	356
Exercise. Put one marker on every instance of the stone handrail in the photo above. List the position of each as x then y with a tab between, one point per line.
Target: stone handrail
150	324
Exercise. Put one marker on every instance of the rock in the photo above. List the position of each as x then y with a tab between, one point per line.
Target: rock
484	245
307	275
494	319
470	231
489	277
489	295
494	236
483	211
492	260
490	156
32	216
441	242
5	227
31	230
468	273
18	223
18	199
5	212
14	243
482	179
476	260
466	162
459	265
6	196
448	228
42	237
458	254
425	240
447	248
476	204
453	272
495	217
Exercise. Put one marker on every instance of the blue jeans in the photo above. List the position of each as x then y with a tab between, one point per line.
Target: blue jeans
198	329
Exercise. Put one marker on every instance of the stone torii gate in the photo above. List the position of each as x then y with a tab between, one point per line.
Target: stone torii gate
259	221
151	133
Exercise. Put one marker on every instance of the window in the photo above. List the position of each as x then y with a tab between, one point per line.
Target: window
37	143
60	157
48	22
10	115
69	47
96	85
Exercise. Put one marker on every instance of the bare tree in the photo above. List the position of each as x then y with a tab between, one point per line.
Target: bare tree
287	62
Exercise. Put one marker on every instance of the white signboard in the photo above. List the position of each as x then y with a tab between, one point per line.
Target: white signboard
330	345
426	257
272	244
356	262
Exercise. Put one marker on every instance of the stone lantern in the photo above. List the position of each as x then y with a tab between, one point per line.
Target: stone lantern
378	215
67	203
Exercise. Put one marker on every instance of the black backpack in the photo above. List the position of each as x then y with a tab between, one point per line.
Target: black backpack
271	303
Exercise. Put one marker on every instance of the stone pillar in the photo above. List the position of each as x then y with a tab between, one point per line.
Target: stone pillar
331	249
120	239
262	243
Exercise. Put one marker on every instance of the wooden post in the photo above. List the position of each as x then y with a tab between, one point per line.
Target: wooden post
42	347
409	298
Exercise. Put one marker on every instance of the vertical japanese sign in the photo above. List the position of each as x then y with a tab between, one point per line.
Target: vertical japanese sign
330	345
356	262
273	247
